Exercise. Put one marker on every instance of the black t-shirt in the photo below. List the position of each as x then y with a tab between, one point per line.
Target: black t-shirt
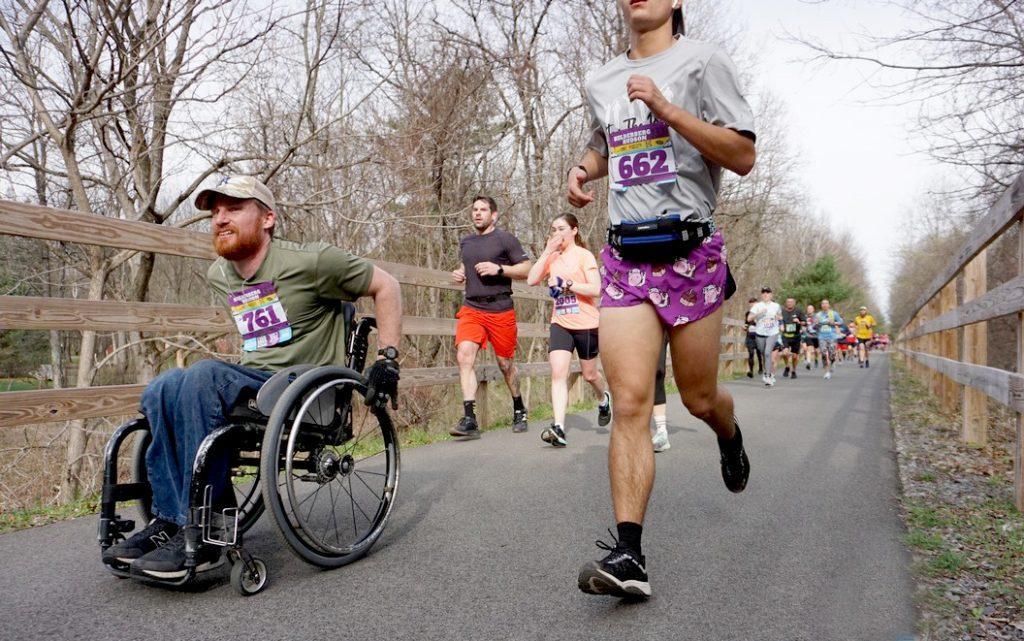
791	321
499	247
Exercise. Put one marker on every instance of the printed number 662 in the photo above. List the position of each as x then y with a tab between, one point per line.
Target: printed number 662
639	164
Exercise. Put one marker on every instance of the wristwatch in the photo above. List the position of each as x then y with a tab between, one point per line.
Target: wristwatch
501	270
390	352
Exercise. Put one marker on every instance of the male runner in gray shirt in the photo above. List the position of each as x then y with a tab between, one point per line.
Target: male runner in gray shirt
668	116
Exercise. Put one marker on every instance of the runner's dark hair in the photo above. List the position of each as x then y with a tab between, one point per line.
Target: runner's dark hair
678	23
573	222
487	199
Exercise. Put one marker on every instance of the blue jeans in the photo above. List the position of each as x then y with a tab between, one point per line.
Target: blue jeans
182	407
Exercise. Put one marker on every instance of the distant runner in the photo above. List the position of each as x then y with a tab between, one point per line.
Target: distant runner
810	338
491	259
793	322
767	316
865	332
829	322
571	274
751	326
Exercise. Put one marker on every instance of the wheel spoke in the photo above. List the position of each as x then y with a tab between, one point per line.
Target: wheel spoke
365	483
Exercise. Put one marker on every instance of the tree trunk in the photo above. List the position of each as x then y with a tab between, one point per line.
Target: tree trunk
78	438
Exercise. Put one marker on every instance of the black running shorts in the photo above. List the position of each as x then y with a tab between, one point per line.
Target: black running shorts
792	344
812	341
582	341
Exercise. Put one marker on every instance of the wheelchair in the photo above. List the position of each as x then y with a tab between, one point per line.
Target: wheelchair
305	446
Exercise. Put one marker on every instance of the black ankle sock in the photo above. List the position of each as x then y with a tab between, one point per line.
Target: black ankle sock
733	443
629	535
469	407
517	403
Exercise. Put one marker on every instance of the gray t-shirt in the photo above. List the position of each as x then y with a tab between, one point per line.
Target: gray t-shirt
501	248
694	75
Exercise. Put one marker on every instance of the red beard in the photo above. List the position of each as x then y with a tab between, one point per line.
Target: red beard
242	245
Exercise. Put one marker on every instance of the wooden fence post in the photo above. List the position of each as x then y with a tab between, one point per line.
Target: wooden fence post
728	369
483	410
1018	444
934	377
948	349
575	388
975	351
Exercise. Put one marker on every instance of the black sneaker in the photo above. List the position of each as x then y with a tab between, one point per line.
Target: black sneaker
808	365
604	412
519	421
785	373
867	363
735	466
793	373
620	574
467	428
158	533
750	374
554	435
168	562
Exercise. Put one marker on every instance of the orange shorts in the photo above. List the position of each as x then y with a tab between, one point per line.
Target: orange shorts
480	327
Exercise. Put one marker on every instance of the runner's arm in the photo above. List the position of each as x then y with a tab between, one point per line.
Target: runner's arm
594	166
539	269
387	308
724	147
519	271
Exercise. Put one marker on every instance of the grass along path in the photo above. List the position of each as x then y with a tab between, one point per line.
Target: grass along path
966	535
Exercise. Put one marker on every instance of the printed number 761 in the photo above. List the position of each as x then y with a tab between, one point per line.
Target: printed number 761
260	318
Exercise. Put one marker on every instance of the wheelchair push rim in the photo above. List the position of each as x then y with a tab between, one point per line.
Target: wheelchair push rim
336	467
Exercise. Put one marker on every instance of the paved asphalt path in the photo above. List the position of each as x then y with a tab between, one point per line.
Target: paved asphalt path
487	537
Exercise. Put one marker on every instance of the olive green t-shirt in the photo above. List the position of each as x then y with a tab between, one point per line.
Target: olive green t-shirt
288	313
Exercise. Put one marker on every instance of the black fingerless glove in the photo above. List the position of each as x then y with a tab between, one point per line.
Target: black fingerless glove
382	383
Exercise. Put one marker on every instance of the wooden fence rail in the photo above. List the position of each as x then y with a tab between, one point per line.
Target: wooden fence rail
40	313
957	373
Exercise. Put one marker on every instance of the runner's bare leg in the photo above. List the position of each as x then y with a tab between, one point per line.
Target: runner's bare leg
695	350
560	360
630	339
465	354
510	372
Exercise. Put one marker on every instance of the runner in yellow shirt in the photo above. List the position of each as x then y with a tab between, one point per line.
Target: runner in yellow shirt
865	323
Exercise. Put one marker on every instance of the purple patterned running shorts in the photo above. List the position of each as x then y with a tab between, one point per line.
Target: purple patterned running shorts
681	292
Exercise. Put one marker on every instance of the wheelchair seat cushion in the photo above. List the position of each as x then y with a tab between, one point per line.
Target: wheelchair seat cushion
267	397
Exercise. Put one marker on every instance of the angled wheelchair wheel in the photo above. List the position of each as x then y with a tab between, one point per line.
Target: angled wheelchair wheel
330	467
245	472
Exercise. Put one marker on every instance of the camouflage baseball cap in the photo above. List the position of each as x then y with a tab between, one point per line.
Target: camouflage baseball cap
237	186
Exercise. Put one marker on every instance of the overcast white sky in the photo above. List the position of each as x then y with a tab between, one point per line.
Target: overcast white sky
858	155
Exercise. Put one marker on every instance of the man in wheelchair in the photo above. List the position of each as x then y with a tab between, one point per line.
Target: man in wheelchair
286	300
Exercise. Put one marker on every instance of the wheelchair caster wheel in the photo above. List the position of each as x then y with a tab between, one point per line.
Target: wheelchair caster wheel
249	582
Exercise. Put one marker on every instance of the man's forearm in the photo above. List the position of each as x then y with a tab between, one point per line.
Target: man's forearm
722	146
387	309
595	164
518	271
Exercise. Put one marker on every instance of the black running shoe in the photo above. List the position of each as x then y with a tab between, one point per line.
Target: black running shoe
621	573
808	364
735	466
158	533
554	435
750	375
604	412
519	421
793	373
867	363
467	428
785	373
168	562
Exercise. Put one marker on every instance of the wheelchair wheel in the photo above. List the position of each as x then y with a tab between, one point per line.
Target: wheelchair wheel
245	484
330	467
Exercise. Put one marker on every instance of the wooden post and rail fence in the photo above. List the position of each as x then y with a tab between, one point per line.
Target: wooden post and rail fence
42	313
958	374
